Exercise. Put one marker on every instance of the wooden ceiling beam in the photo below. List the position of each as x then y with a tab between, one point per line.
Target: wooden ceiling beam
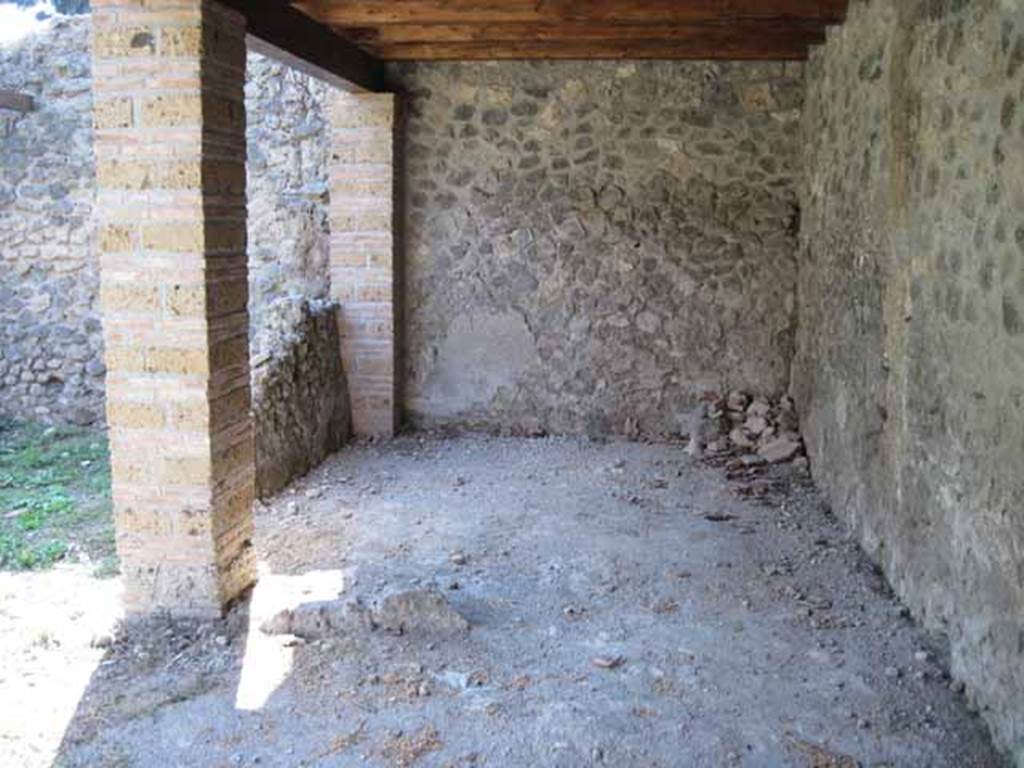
277	29
362	13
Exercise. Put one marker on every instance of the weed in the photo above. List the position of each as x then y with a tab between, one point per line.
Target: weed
54	496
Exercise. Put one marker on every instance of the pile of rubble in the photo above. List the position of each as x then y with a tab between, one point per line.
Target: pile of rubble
755	430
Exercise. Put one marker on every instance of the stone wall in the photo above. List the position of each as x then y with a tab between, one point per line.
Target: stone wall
289	233
910	364
590	246
51	365
300	398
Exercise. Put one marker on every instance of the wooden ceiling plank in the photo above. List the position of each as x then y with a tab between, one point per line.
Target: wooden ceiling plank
356	13
736	50
402	34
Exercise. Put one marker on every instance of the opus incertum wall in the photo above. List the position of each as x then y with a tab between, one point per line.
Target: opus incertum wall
590	246
51	363
910	364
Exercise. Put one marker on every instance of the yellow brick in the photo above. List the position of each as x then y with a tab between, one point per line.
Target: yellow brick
176	360
198	523
360	189
359	111
121	42
172	110
234	510
342	292
375	150
114	174
130	297
161	521
136	519
187	300
128	469
348	258
129	415
118	174
112	113
178	237
183	175
124	358
361	222
186	41
186	470
373	293
190	416
115	238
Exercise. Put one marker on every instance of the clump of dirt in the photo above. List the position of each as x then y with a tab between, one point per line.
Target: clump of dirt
406	750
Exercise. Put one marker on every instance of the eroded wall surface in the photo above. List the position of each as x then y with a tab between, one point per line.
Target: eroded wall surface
910	362
300	397
591	246
51	364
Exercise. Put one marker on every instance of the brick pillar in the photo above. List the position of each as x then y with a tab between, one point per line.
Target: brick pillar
170	169
363	254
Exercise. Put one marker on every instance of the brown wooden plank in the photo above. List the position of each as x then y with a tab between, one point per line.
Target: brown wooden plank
697	49
19	102
363	13
307	44
402	34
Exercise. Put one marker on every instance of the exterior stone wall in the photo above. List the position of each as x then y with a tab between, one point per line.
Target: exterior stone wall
591	246
51	364
910	364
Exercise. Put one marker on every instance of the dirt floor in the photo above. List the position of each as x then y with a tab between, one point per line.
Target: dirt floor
628	607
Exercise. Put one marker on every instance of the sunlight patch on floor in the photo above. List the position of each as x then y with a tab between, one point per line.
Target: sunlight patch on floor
268	658
51	624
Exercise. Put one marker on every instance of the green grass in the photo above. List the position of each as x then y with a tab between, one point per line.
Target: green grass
54	497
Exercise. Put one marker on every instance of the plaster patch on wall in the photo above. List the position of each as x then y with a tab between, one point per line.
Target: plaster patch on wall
481	355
